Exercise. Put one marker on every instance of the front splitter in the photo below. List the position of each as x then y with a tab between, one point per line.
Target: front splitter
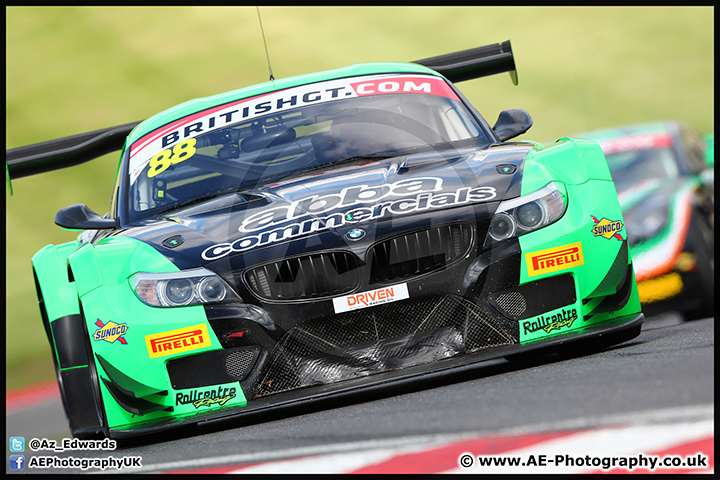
608	333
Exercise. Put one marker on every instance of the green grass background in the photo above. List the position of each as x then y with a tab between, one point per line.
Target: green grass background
72	70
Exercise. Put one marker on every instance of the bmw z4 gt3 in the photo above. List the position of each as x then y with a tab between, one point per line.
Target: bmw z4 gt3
319	235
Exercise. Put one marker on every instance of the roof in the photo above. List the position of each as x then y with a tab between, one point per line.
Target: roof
200	104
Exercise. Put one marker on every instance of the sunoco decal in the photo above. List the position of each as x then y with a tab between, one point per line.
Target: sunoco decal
547	324
418	195
607	228
243	110
110	332
371	298
219	395
177	341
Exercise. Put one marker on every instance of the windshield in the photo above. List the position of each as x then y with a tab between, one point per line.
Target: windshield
235	147
632	168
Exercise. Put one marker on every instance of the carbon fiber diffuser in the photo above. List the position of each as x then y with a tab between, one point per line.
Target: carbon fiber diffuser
387	337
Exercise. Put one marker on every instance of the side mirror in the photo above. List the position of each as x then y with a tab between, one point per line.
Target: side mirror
511	123
80	217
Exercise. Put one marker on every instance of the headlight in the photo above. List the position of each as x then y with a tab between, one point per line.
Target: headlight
177	289
527	213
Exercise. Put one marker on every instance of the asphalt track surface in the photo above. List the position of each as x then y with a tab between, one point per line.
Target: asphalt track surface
667	372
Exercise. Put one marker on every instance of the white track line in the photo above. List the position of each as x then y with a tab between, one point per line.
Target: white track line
405	444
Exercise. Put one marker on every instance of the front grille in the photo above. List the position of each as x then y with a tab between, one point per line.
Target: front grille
212	368
534	298
419	252
237	363
512	303
310	276
386	337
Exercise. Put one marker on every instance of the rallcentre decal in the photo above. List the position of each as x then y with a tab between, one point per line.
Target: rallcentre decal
164	139
371	298
177	341
547	324
554	259
219	395
418	195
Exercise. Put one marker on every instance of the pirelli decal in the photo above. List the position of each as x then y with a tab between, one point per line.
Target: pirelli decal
177	341
554	259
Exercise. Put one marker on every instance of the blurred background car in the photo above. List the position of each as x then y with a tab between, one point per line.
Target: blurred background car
664	177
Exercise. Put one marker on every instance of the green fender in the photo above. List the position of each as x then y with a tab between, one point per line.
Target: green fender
580	171
112	260
59	293
569	160
102	273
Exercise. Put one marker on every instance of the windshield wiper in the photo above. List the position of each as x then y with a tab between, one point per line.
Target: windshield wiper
197	200
343	161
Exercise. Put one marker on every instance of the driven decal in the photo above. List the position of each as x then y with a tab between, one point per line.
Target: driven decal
554	259
371	298
177	341
166	137
607	228
206	398
110	332
428	195
546	324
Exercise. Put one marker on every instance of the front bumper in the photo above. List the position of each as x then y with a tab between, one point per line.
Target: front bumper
460	367
281	348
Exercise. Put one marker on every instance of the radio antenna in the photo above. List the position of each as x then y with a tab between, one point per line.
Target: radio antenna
272	78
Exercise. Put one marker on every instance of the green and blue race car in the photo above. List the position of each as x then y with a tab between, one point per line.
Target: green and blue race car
664	176
346	231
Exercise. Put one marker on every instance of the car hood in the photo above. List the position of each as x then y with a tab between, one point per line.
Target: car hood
342	197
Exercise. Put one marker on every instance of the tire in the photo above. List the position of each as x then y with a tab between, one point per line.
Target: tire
703	246
79	387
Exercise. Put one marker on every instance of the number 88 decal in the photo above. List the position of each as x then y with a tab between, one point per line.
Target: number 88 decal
162	161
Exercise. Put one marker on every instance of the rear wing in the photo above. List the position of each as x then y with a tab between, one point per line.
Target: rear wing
76	149
65	152
474	63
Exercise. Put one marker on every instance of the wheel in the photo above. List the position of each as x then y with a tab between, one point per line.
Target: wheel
79	386
703	246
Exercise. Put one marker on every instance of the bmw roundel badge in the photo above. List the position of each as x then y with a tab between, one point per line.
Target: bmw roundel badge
355	234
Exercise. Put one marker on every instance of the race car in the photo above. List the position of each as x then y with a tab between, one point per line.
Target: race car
663	172
309	238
